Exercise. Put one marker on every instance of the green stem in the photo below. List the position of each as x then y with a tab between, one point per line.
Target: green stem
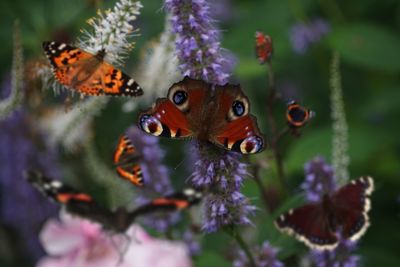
233	232
261	187
272	96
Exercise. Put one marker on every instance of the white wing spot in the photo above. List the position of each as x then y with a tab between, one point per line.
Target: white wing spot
62	46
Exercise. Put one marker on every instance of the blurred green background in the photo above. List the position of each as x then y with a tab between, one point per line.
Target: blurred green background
366	33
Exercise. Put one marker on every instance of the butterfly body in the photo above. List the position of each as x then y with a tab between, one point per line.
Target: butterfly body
216	114
342	214
88	73
119	220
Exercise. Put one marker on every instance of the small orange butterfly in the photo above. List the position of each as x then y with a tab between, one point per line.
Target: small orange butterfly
88	73
125	159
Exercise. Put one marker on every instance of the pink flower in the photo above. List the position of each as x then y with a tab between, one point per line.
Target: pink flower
75	242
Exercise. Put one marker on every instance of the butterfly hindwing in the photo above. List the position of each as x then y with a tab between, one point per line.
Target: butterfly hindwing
309	225
88	73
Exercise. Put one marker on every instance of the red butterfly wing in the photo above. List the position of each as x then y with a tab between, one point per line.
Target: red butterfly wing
310	225
351	205
76	202
177	115
235	128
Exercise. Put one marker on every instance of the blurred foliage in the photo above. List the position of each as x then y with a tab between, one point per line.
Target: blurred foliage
364	32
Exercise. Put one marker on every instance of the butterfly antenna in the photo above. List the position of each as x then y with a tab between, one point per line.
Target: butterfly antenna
179	164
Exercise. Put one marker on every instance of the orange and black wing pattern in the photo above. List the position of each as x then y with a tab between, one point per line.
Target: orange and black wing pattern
87	73
125	159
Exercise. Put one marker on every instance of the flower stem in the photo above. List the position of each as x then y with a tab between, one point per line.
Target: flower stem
257	179
275	136
233	232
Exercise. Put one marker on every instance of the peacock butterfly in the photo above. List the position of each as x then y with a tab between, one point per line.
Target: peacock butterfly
126	161
216	114
83	205
343	213
296	115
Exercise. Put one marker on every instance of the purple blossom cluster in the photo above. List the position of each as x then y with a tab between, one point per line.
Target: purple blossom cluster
23	148
225	204
155	178
341	256
303	35
264	256
320	179
201	57
197	42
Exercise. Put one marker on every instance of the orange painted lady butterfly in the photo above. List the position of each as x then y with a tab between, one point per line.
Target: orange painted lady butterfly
88	73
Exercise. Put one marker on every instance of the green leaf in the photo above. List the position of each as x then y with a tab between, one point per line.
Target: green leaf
209	258
367	45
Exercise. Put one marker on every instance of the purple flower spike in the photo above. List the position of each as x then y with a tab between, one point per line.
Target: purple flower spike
23	148
225	205
341	256
155	177
319	179
264	256
197	42
303	35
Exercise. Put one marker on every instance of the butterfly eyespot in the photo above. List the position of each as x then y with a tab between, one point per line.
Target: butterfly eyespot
251	145
238	108
179	97
151	125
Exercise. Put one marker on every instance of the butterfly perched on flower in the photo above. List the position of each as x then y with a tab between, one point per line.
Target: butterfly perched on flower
88	73
342	214
296	115
83	205
263	47
216	114
126	161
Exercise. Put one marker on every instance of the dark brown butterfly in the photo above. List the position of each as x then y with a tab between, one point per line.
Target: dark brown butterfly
344	213
83	205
